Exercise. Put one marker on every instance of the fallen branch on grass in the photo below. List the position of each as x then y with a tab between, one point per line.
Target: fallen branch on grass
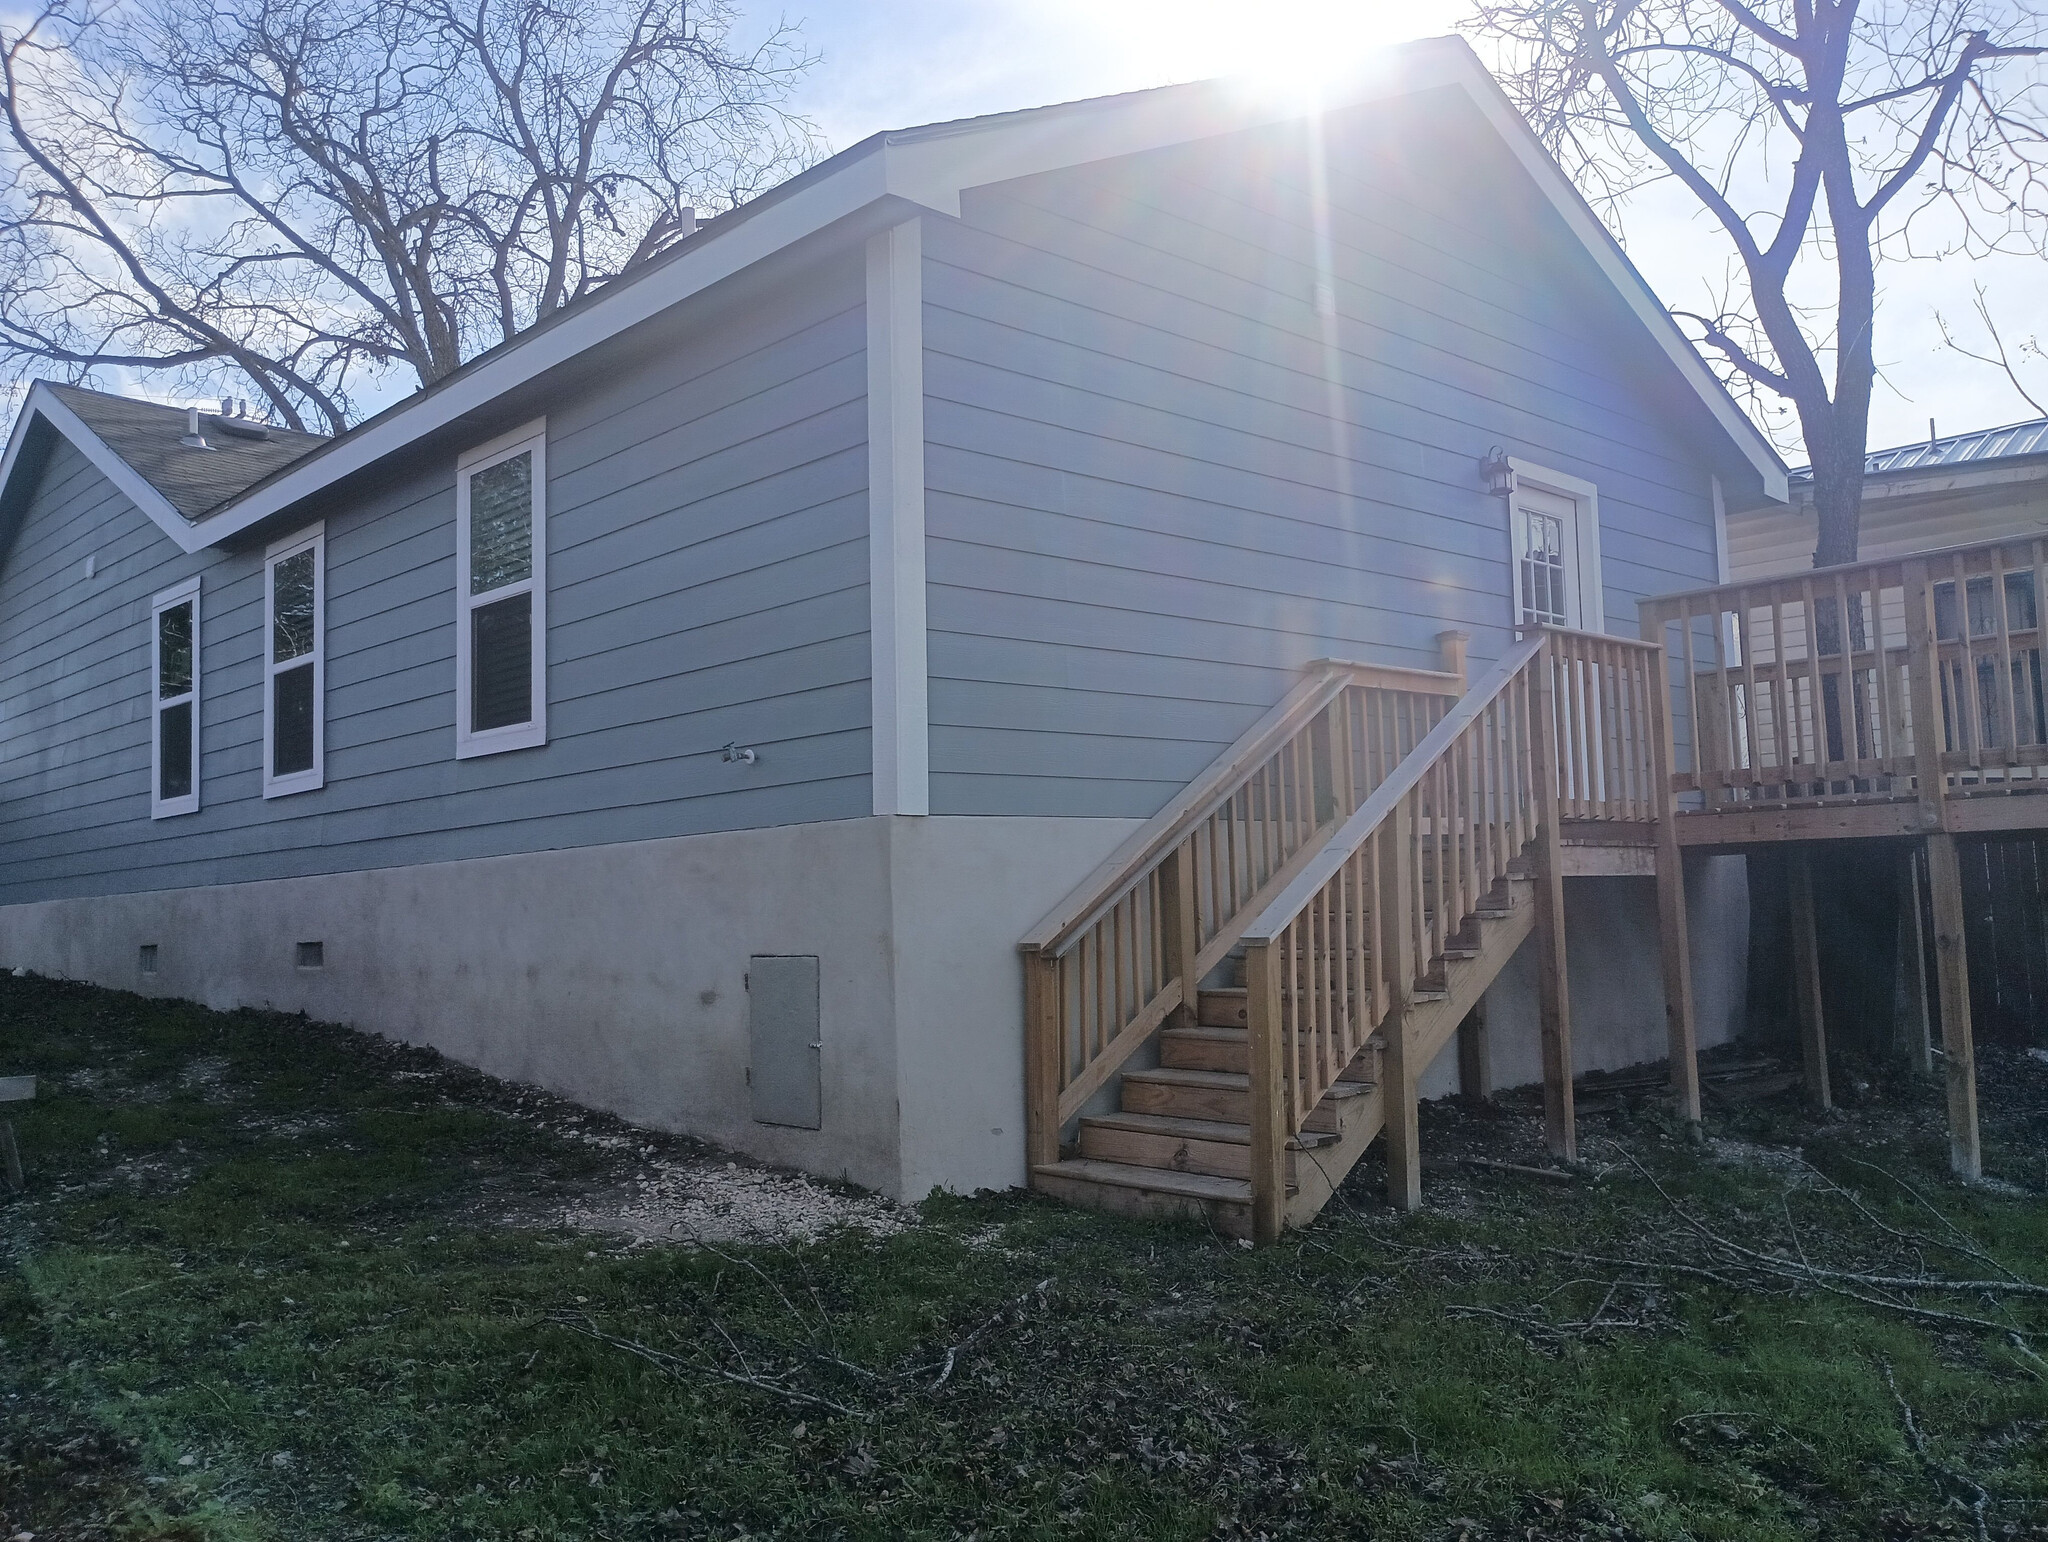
1491	1164
679	1364
1945	1476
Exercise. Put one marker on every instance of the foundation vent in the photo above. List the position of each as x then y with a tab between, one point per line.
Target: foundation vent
146	957
312	955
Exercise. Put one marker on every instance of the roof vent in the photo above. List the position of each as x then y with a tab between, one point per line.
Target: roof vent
193	440
234	420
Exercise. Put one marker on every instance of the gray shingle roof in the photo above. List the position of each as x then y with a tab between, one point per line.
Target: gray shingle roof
147	436
1985	444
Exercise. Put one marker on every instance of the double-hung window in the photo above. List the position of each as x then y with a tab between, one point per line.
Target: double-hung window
174	701
295	663
501	594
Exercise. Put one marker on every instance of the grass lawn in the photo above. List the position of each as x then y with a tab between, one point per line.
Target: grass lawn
276	1280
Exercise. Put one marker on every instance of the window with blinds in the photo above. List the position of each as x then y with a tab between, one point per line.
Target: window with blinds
295	664
501	588
174	683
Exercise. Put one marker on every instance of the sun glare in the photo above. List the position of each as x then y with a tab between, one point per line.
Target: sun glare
1285	47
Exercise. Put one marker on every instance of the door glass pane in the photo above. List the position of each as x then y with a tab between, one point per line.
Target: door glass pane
1543	577
501	664
291	742
174	650
291	603
174	750
501	524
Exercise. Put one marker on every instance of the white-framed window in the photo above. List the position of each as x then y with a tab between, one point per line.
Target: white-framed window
501	594
295	663
174	701
1554	535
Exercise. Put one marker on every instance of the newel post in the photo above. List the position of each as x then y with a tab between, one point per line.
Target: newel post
1680	1033
1043	1052
1265	1055
1560	1128
1451	648
1923	692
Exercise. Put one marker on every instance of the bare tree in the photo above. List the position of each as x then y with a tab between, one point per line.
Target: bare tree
1822	137
2007	361
311	196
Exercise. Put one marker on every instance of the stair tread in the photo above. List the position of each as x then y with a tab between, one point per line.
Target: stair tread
1159	1179
1194	1129
1213	1033
1226	1081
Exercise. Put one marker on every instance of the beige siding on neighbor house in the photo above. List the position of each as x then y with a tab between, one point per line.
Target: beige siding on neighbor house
1926	514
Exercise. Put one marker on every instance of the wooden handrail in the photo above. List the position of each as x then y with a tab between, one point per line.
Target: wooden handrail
1848	684
1125	950
1565	725
1115	874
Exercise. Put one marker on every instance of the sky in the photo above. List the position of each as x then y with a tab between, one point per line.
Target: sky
896	63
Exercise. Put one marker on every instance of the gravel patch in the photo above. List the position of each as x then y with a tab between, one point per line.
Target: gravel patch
709	1202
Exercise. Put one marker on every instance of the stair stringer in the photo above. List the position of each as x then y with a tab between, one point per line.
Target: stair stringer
1432	1025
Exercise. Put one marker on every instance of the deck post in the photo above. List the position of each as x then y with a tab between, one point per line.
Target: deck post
1813	1032
1952	970
1042	1056
1268	1105
1179	946
1923	688
1399	900
1475	1055
1560	1127
1913	1027
1681	1035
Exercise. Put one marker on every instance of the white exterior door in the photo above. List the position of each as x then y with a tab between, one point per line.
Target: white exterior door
1548	558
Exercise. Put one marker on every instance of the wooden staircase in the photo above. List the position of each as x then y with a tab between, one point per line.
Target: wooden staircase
1180	1143
1370	855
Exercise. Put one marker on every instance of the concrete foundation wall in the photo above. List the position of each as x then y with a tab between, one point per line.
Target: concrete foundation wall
1615	975
615	975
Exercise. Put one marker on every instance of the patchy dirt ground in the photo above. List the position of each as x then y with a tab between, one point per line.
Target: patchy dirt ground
277	1280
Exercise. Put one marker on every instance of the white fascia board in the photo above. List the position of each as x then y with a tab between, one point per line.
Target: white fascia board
779	224
1606	252
932	169
43	402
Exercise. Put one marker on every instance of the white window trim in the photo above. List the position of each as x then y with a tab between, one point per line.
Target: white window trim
1588	595
314	538
161	807
517	736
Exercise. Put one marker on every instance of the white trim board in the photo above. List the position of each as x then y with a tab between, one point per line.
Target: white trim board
899	691
931	167
43	403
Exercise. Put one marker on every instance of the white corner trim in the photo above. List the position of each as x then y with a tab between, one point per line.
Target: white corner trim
896	598
1592	592
1720	531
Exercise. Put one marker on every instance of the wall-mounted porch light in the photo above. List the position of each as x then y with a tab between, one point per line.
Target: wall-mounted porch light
1499	472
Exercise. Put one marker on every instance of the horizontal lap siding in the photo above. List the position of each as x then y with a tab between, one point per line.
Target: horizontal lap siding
707	583
1159	482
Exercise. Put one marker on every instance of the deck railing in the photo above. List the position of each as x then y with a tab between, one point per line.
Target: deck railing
1564	727
1130	945
1852	684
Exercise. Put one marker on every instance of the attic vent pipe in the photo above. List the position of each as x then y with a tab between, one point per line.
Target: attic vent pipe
193	440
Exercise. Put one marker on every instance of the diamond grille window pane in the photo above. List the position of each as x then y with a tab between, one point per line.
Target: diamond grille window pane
291	604
174	651
501	664
174	751
291	733
501	524
1543	591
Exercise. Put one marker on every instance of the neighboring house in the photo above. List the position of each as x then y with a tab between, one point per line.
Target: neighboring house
1959	490
1954	491
689	704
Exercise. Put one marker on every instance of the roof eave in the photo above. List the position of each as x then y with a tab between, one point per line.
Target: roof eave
44	404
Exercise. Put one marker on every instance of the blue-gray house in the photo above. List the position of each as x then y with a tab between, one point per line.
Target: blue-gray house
690	704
